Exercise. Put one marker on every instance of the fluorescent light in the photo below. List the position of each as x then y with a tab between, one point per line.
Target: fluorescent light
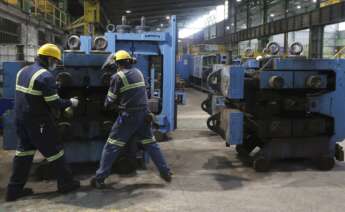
299	7
342	26
162	25
227	27
272	15
128	11
216	16
167	17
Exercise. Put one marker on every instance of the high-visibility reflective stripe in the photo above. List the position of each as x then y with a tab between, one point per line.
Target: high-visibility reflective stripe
132	86
18	74
51	98
55	157
34	77
25	153
126	85
123	78
116	142
148	141
30	89
111	95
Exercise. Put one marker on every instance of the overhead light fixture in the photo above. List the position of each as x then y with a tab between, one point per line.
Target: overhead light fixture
238	0
314	1
299	7
272	15
167	17
128	11
162	25
158	29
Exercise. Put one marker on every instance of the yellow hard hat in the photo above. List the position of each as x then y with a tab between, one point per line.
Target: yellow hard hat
50	50
122	55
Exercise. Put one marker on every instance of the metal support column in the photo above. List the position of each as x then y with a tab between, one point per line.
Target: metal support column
286	34
316	42
264	40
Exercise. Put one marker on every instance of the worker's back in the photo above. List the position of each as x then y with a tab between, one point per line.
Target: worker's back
131	89
30	84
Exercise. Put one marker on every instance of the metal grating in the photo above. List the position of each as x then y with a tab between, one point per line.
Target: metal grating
9	31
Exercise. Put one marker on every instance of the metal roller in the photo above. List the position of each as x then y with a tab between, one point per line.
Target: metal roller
100	43
313	82
296	49
64	79
123	28
73	42
273	48
142	27
276	82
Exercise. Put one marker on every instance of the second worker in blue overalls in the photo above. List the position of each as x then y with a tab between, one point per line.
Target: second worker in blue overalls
128	91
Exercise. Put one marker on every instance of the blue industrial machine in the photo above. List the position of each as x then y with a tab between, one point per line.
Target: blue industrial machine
85	130
203	66
290	107
184	66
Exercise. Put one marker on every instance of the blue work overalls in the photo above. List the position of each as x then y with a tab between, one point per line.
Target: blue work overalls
128	91
36	100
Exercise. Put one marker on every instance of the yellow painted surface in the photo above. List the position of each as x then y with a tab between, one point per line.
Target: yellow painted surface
91	11
329	2
13	2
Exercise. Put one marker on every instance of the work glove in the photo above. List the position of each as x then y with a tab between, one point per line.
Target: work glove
74	101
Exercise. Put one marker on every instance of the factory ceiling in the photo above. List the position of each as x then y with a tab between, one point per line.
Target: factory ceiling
157	11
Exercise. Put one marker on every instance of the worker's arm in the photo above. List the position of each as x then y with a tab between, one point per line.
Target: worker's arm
49	92
112	94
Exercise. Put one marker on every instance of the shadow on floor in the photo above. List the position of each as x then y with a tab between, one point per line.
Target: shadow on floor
288	165
114	194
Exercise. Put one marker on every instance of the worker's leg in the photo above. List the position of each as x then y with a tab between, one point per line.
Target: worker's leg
156	155
152	147
21	166
43	133
120	134
110	153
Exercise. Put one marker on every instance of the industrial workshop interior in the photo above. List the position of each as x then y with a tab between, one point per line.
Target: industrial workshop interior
172	105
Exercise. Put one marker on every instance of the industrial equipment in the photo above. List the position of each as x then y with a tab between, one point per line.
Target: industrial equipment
90	19
85	130
290	107
202	67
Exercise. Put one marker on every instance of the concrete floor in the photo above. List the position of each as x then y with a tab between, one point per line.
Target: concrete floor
208	177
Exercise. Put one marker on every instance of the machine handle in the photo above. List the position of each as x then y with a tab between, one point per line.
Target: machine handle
213	81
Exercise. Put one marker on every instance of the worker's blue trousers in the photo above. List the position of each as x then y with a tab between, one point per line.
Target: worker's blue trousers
127	126
37	133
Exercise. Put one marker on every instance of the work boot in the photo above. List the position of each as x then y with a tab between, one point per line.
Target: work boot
13	196
97	183
68	187
167	176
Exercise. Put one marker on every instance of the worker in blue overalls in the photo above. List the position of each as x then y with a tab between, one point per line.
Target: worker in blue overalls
36	107
128	92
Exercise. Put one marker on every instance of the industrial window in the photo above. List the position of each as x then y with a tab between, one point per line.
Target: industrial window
9	31
41	38
241	17
334	40
276	10
256	15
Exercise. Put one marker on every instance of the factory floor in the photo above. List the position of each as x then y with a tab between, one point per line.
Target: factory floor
208	177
